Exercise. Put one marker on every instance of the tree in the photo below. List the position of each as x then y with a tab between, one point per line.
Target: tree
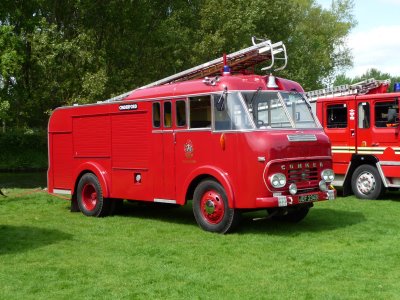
10	68
370	73
81	51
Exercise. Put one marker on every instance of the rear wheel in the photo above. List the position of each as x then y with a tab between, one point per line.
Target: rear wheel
211	209
90	197
366	183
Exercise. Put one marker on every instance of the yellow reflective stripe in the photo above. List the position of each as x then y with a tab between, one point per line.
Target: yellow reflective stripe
343	149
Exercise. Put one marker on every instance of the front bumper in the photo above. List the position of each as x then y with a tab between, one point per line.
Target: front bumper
290	200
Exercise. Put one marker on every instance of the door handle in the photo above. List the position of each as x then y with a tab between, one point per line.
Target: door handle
352	132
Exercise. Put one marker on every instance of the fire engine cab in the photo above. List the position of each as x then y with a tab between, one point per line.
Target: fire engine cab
229	140
362	121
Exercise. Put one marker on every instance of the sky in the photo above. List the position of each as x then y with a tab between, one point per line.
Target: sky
375	41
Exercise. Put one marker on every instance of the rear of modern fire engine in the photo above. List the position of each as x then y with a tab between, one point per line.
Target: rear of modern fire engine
362	122
216	134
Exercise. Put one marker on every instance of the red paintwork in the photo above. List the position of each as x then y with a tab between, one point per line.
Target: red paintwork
382	143
89	197
117	146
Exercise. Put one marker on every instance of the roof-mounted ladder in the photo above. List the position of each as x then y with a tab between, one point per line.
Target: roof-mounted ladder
359	88
261	51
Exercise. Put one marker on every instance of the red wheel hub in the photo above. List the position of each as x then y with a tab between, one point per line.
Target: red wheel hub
212	207
89	197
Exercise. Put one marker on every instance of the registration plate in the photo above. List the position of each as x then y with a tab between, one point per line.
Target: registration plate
308	198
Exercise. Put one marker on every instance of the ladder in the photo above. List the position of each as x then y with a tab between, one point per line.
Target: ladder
359	88
261	51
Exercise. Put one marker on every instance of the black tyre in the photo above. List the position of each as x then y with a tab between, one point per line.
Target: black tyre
211	209
291	215
90	197
366	183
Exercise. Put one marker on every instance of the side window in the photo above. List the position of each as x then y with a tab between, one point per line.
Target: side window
386	114
200	112
364	115
336	116
180	113
231	115
167	114
156	115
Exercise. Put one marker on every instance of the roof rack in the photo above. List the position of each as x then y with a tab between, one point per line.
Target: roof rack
359	88
261	51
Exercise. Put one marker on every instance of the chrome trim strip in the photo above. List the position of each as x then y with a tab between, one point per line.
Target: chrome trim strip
390	163
158	200
302	137
383	177
62	192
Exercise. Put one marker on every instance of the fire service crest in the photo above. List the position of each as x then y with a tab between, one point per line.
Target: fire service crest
188	148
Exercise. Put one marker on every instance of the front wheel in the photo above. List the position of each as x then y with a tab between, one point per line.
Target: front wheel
211	209
366	183
90	197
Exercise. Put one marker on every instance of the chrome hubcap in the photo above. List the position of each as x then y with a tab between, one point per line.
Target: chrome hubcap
366	183
209	207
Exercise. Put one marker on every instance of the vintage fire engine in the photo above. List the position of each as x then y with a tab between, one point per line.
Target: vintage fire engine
231	141
362	123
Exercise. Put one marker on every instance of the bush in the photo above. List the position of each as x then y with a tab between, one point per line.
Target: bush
23	150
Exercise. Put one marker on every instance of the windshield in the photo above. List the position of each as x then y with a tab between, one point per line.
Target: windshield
279	110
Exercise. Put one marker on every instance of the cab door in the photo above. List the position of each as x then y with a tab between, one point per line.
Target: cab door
339	121
385	131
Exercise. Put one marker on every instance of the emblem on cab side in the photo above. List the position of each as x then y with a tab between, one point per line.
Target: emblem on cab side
188	148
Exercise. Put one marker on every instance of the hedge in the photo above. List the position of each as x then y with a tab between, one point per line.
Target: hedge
23	151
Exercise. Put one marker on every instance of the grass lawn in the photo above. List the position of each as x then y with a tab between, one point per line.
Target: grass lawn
344	249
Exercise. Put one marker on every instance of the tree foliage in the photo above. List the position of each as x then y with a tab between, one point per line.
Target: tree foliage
371	73
54	53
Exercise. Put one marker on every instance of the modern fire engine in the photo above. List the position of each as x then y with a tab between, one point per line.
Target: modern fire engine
230	140
362	122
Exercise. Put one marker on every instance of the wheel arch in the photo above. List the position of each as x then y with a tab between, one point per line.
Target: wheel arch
356	161
100	172
208	172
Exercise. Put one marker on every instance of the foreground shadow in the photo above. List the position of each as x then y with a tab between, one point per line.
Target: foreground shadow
157	211
317	220
23	238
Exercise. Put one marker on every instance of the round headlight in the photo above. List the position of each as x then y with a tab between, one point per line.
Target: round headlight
292	189
327	175
322	186
278	180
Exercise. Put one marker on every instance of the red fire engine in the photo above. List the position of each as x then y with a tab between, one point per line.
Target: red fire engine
231	143
362	123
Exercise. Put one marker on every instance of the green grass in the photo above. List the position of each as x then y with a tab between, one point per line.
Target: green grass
344	249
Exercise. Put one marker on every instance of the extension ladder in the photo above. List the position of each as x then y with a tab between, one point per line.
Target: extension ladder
359	88
261	51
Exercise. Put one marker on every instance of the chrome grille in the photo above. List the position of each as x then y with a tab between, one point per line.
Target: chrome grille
299	175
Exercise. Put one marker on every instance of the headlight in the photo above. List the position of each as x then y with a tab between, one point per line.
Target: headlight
322	186
293	189
328	175
278	180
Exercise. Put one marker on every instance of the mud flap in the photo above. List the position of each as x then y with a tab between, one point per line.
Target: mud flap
74	204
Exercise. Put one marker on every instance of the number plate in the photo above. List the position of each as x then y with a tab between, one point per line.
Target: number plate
308	198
